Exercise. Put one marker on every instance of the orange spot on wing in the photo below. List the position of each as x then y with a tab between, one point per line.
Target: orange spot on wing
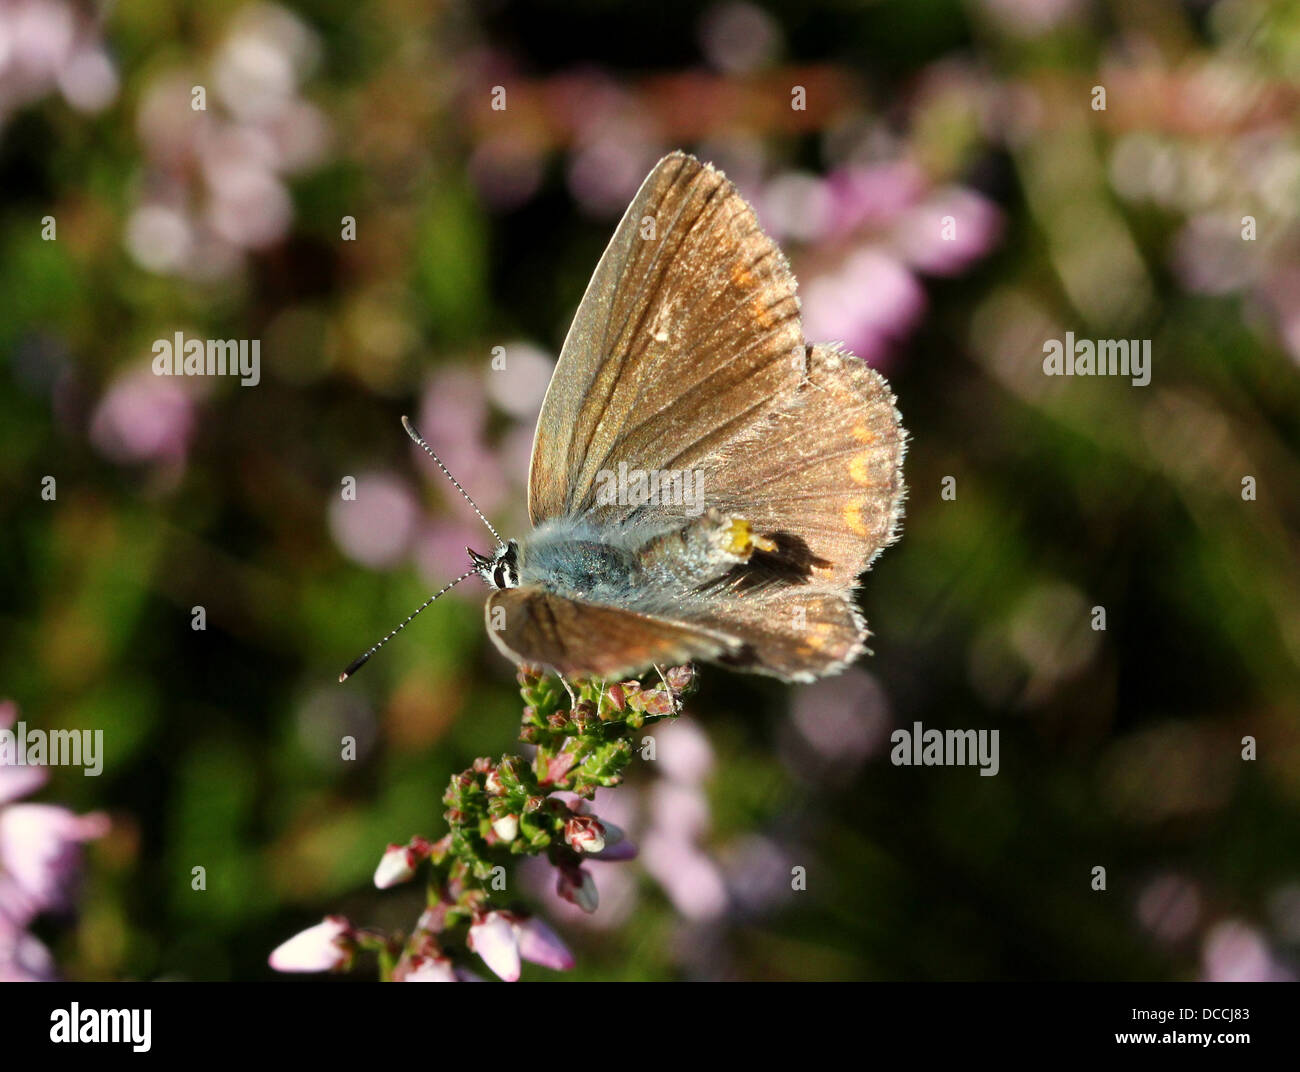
853	517
858	469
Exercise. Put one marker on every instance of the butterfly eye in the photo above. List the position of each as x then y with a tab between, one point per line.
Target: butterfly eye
502	576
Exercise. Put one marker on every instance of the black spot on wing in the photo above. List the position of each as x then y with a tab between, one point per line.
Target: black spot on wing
791	564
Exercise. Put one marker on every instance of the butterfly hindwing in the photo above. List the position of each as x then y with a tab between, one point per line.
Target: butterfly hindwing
824	471
575	637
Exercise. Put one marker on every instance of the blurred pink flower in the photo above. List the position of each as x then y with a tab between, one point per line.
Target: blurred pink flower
144	418
23	958
1235	952
870	302
680	812
40	850
49	44
453	418
216	179
376	528
40	862
835	725
948	232
873	196
538	944
683	752
691	879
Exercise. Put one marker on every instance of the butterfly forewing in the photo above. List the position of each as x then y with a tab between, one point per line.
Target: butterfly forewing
689	331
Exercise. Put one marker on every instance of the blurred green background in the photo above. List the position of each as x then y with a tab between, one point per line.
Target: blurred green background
477	229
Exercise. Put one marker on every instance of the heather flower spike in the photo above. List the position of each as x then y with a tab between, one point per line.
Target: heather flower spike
499	809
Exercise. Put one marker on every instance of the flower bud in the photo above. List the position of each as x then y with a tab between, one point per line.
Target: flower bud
585	833
506	828
430	970
576	886
493	939
325	947
399	862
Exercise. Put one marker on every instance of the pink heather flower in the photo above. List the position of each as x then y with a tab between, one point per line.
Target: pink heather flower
919	236
144	418
431	970
493	938
324	947
691	880
399	862
40	851
683	751
23	959
375	529
538	944
576	886
585	833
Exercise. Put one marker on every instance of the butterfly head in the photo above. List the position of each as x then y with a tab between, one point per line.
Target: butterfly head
501	568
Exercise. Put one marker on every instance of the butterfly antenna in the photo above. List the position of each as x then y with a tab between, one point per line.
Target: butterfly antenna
361	660
410	430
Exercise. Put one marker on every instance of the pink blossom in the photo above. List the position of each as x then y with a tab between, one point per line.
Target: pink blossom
324	947
399	862
143	418
575	885
691	880
539	944
23	959
431	970
40	850
493	938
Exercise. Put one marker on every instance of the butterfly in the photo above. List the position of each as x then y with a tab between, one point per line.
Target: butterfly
704	484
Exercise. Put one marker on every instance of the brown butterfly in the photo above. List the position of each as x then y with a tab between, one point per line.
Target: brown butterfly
704	483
